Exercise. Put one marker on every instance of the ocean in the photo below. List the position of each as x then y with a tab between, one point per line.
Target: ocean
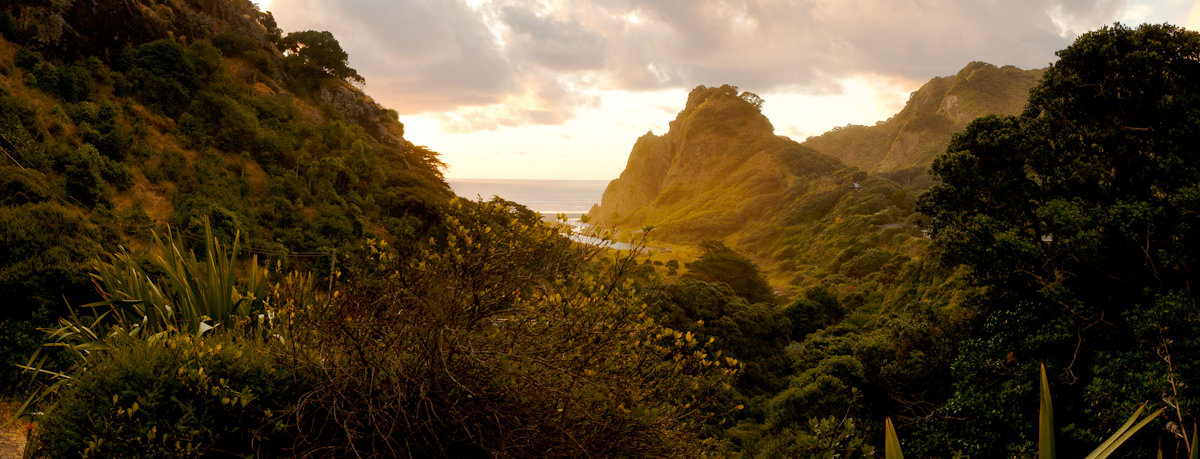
550	197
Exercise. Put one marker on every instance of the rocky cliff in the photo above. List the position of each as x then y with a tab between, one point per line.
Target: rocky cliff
944	105
842	202
719	166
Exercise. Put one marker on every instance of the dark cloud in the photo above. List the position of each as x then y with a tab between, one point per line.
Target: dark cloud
536	62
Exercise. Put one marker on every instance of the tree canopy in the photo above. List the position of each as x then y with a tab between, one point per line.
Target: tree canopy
719	263
321	49
1080	216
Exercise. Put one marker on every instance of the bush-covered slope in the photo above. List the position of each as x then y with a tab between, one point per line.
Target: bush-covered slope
810	209
186	110
720	173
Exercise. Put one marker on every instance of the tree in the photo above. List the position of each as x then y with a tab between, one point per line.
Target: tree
322	50
1080	217
755	334
719	263
753	99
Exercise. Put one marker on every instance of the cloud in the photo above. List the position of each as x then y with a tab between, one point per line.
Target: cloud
505	63
554	44
1193	18
419	55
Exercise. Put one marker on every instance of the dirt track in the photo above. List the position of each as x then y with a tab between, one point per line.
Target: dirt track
12	437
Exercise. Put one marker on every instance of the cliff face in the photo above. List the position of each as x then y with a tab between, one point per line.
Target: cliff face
922	129
842	202
719	167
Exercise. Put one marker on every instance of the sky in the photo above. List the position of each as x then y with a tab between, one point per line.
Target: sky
561	89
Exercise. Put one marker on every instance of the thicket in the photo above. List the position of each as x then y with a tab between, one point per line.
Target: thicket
500	338
1082	228
178	396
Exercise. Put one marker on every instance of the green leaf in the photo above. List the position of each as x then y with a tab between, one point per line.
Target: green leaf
1046	448
1110	446
891	443
1195	450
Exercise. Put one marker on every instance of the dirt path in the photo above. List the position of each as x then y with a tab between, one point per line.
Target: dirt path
12	437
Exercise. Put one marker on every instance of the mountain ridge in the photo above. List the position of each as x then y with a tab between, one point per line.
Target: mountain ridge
922	129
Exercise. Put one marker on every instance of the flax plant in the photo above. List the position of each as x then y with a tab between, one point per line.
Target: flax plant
193	296
1046	448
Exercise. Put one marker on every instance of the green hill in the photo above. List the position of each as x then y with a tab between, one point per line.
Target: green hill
840	203
186	111
720	173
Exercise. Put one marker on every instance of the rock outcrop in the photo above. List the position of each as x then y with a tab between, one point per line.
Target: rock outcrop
943	106
718	167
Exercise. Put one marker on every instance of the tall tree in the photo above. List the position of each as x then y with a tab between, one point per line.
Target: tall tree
1081	218
322	50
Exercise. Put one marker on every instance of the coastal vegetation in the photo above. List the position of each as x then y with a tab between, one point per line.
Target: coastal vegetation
1055	234
214	244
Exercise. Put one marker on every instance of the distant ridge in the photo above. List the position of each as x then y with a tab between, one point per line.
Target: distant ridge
944	105
720	172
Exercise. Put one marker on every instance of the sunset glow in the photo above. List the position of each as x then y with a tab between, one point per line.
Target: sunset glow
534	89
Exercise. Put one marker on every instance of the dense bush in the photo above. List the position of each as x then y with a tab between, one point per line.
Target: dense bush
44	252
719	263
176	397
499	339
72	83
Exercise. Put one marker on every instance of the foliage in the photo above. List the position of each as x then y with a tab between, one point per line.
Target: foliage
1046	430
44	254
755	334
191	296
499	338
825	438
891	442
1079	218
719	263
163	76
179	396
321	50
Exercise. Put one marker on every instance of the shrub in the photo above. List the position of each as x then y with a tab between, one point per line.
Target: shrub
44	250
494	339
162	75
178	397
232	44
82	178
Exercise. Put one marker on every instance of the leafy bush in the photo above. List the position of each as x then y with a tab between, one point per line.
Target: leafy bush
498	339
755	334
177	397
719	263
44	251
162	76
82	179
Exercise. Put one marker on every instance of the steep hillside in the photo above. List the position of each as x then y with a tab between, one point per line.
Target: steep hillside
720	173
944	105
193	95
810	209
118	117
